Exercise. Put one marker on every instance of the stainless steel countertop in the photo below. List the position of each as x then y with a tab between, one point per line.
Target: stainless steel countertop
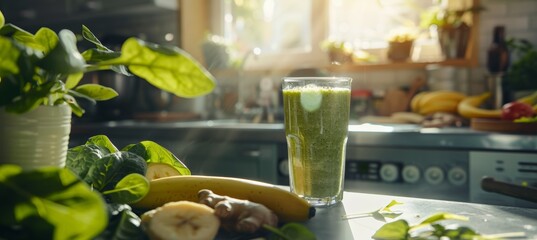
390	135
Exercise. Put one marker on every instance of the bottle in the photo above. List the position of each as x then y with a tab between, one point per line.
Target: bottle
497	63
498	53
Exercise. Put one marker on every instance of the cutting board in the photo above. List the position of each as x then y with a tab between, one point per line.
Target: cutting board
497	125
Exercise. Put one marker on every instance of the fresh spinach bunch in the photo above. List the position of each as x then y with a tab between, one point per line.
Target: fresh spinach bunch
46	68
119	174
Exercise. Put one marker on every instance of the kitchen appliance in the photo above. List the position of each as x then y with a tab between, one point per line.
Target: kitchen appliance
519	169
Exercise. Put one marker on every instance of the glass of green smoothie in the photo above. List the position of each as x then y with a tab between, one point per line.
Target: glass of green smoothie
316	113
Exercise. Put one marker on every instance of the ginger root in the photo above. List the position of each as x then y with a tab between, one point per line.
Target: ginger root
236	214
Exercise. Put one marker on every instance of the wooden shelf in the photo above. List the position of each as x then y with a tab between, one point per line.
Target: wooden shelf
398	65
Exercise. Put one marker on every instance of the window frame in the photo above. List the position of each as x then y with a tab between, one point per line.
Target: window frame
199	17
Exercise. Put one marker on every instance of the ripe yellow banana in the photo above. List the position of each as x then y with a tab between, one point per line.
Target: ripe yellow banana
415	101
288	206
441	95
469	107
530	99
446	106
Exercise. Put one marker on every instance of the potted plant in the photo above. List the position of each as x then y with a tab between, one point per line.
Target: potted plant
521	77
40	78
453	31
338	51
400	45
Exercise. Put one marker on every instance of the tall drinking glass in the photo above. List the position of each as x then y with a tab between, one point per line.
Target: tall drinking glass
316	112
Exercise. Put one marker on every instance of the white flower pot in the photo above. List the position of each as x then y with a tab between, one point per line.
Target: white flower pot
37	138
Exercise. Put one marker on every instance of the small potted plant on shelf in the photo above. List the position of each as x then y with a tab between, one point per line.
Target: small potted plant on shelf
40	78
339	52
452	28
400	45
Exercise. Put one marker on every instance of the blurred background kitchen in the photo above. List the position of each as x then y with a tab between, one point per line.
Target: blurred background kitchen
393	49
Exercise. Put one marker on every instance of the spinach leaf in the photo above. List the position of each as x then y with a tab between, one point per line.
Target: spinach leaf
64	58
152	152
8	58
49	203
103	141
106	172
81	158
123	224
97	92
396	230
130	189
170	69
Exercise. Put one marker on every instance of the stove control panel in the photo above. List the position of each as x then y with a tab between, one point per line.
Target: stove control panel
439	174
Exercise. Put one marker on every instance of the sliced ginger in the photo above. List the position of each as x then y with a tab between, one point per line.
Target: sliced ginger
236	214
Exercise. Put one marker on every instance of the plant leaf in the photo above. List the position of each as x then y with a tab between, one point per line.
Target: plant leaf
397	230
102	141
152	152
97	92
51	201
439	217
81	158
130	189
9	54
45	40
73	80
294	231
109	170
88	35
170	69
65	57
123	224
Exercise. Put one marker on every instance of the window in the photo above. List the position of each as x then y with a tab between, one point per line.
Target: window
289	33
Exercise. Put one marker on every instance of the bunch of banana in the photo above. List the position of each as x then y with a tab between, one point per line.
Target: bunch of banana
427	103
288	206
469	107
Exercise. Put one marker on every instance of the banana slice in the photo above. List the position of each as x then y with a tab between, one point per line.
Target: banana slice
181	220
160	170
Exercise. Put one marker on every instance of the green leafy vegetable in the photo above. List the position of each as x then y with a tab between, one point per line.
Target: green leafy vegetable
49	203
123	224
106	172
81	158
103	141
130	189
154	153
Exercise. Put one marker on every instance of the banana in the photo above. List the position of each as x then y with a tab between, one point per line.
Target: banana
159	170
415	101
440	95
530	99
446	106
181	220
469	107
288	206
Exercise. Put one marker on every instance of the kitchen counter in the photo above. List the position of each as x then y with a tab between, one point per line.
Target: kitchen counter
394	135
485	219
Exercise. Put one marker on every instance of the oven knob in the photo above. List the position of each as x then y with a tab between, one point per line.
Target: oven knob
389	172
434	175
457	176
284	167
411	174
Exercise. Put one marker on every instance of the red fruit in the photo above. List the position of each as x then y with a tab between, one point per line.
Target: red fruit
516	110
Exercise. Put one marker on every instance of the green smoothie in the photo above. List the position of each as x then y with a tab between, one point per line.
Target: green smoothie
316	124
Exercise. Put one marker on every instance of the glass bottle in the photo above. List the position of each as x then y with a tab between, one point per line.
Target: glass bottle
497	64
